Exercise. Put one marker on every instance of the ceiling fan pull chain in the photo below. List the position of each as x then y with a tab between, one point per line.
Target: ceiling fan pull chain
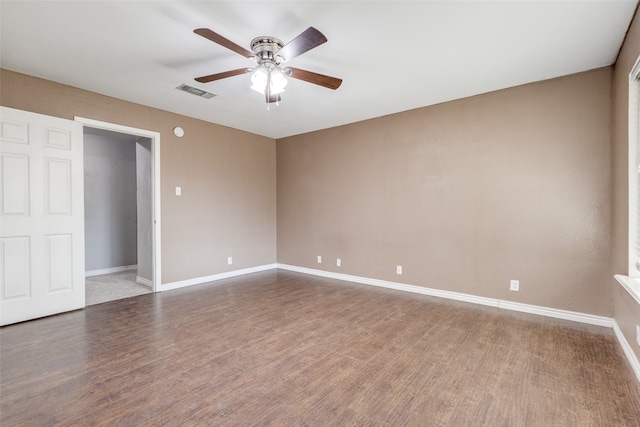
268	88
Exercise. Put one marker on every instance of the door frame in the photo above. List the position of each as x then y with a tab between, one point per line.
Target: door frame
155	186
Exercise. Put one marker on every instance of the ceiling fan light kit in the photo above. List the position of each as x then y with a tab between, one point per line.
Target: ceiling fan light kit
269	77
274	77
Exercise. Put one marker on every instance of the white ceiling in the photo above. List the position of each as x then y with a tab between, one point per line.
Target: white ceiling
392	55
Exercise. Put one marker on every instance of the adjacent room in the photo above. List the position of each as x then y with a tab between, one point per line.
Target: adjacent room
320	213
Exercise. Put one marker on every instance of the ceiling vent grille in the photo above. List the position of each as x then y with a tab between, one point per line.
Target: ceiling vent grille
195	91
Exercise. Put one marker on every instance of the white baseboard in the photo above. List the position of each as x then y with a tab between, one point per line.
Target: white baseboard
214	277
626	348
573	316
146	282
109	270
492	302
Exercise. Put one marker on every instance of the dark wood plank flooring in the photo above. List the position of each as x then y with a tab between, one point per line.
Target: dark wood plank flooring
281	348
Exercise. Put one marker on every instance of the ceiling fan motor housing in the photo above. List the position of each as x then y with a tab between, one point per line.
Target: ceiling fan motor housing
266	48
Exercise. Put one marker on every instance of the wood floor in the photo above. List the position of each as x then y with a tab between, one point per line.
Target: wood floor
281	348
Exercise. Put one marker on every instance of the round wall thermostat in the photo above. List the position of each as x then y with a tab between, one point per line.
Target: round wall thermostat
178	131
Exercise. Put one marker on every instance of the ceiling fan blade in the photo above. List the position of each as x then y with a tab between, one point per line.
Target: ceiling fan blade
315	78
224	75
217	38
306	41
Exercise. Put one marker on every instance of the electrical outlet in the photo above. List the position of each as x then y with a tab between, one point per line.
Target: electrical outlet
398	269
229	260
338	262
319	259
638	334
514	286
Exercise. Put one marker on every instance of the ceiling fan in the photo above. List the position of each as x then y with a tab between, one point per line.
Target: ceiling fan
269	76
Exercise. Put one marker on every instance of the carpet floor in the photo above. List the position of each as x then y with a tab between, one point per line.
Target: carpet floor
111	287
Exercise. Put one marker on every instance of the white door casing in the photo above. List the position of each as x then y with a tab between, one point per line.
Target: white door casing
41	216
156	188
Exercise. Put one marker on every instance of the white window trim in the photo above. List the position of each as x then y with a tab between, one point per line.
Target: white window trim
634	170
632	282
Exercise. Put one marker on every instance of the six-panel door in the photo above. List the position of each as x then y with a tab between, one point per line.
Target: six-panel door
41	214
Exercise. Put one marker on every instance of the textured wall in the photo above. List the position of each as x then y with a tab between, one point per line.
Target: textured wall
109	202
466	195
514	184
228	206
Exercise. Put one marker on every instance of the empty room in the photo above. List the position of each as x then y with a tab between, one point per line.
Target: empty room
420	213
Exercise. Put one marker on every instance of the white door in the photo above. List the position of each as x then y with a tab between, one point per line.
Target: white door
41	216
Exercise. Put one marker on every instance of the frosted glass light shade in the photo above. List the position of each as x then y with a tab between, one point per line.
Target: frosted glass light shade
259	80
277	81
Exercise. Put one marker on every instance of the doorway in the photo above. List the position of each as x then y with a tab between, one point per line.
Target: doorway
122	211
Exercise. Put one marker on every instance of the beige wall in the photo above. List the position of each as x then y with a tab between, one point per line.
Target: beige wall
466	195
514	184
626	310
227	207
